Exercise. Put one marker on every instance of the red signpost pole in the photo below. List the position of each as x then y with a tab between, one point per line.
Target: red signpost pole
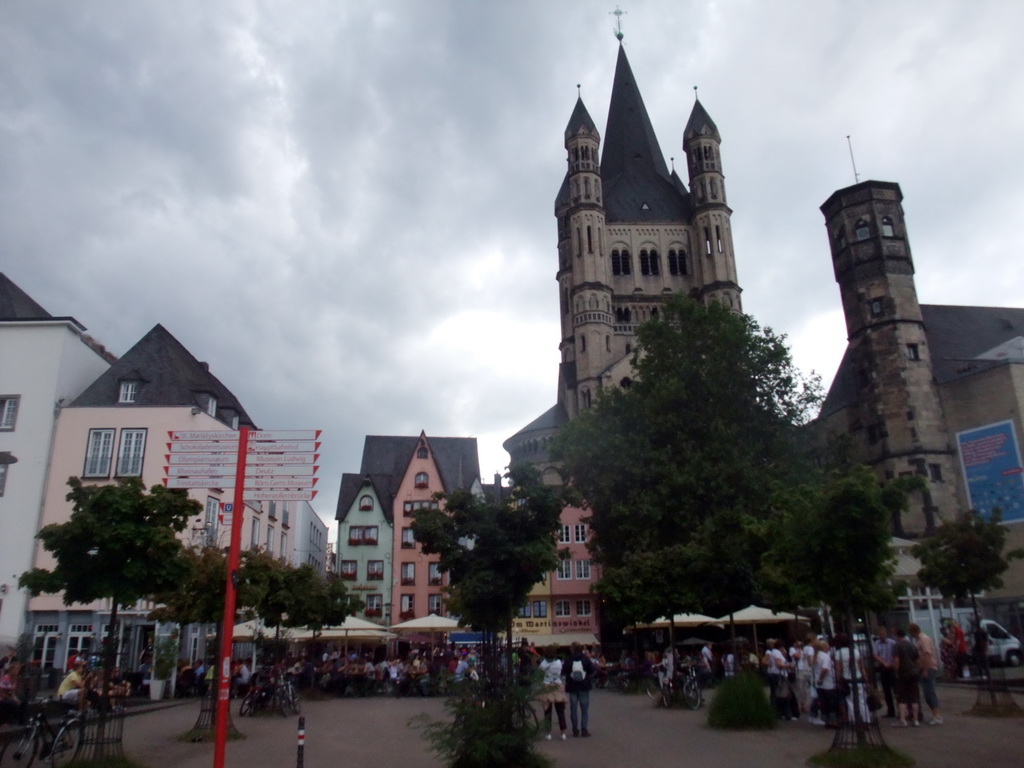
228	632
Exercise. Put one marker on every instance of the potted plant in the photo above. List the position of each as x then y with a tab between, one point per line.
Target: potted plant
165	661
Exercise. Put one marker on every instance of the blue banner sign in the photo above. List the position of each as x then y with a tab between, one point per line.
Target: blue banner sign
991	464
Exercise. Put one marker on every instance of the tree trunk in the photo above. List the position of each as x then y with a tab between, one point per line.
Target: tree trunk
981	648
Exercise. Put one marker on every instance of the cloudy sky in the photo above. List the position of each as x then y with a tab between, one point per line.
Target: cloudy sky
347	208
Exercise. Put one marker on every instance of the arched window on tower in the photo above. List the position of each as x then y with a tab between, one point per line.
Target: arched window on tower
579	243
583	343
586	189
707	241
655	263
718	237
590	240
645	263
887	230
861	231
607	343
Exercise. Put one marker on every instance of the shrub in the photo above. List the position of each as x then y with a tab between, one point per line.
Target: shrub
741	702
496	730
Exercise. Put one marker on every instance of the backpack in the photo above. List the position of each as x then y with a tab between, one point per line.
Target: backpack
577	671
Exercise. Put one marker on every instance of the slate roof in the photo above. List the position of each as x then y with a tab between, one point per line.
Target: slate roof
15	304
169	376
636	182
386	458
956	337
579	118
699	120
352	486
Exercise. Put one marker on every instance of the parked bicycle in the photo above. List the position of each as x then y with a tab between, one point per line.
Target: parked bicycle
54	744
685	684
280	697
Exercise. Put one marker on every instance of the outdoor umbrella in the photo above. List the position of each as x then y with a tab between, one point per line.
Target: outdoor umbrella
755	614
682	620
431	624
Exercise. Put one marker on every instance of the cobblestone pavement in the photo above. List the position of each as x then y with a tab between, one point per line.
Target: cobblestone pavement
628	732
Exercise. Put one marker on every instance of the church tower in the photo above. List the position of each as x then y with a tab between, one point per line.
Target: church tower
898	424
630	234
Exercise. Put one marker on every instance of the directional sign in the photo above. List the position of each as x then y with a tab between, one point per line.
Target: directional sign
250	495
274	470
202	446
223	459
256	459
283	446
199	482
201	470
280	482
285	434
223	434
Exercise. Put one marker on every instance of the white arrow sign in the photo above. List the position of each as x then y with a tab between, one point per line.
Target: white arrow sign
199	482
220	459
201	470
202	446
271	470
206	435
281	446
292	459
279	495
280	482
286	434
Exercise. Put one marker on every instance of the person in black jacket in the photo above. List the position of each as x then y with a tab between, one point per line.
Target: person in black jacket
579	677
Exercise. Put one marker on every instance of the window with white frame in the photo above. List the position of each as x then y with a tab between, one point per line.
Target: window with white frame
564	572
131	452
406	604
128	392
8	411
375	570
408	573
583	569
98	453
563	535
365	503
562	608
408	539
524	611
255	540
434	604
348	569
422	480
3	478
284	545
583	608
580	533
211	406
270	540
434	574
374	605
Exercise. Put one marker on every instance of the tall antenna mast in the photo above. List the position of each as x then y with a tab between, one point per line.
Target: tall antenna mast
856	176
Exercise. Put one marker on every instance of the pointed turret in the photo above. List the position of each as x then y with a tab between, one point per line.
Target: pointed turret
700	124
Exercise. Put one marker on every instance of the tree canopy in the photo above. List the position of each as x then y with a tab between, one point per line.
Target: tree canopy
965	556
677	467
119	543
494	551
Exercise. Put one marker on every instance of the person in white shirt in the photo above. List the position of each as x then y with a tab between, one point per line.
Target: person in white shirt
824	677
552	693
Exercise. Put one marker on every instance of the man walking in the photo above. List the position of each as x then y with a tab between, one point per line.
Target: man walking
579	676
928	662
884	647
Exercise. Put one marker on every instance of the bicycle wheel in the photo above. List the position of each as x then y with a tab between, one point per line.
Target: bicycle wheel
65	743
26	747
666	695
653	690
281	702
294	702
246	707
692	694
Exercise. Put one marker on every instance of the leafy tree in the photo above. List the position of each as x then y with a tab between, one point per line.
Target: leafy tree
316	602
494	552
119	543
677	468
965	556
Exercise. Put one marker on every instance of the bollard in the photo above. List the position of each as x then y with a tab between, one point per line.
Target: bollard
302	742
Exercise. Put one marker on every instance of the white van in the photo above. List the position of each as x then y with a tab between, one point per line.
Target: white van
1003	648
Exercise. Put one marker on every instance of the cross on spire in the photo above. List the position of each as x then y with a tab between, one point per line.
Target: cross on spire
617	13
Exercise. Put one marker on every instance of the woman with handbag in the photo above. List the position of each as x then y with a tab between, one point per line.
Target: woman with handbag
552	692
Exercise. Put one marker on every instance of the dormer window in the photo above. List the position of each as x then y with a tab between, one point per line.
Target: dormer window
421	452
211	406
365	503
128	392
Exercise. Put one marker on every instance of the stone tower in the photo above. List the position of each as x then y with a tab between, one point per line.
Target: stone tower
630	234
898	425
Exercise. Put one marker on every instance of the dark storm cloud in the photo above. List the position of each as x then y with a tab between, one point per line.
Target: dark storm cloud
347	209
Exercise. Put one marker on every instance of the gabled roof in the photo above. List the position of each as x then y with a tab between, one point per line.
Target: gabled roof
959	342
169	375
352	486
700	123
15	304
457	459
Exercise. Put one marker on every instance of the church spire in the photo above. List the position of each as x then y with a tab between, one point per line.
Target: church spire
630	144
